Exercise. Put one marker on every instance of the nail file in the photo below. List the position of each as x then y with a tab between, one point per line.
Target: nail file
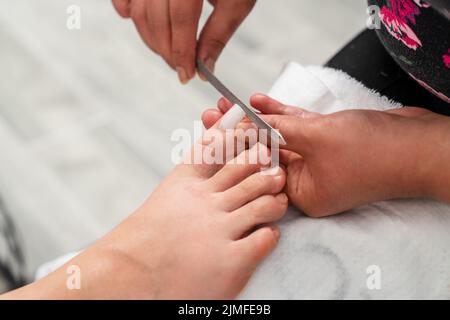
260	123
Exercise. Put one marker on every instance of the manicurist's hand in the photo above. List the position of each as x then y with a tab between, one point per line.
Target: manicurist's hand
170	27
340	161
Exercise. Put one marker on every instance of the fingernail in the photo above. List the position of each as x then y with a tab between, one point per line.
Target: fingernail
210	64
182	75
202	77
221	102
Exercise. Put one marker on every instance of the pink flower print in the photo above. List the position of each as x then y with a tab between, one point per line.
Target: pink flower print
399	29
446	59
405	10
432	90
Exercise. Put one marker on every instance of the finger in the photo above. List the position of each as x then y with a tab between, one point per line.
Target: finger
221	25
410	112
123	7
299	133
158	17
138	14
287	157
224	105
267	105
184	17
210	117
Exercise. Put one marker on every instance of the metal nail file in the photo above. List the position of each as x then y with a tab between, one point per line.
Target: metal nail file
260	123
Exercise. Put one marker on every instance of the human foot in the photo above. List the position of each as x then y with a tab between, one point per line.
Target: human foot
201	227
200	235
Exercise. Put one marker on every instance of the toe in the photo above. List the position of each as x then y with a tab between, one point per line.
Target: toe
239	168
255	247
253	187
265	209
207	157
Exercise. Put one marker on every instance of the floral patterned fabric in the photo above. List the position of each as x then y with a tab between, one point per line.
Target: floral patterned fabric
417	35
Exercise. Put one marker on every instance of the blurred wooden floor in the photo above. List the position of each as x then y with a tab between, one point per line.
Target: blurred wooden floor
86	116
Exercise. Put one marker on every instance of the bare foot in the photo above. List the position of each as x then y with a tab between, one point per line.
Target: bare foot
200	235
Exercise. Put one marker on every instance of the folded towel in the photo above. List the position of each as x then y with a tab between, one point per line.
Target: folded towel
325	90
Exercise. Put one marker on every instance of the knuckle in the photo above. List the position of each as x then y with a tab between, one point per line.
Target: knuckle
180	17
216	44
183	56
177	53
197	190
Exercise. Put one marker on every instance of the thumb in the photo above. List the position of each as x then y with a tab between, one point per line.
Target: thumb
123	7
298	132
220	27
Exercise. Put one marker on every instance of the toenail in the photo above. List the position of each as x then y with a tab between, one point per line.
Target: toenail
282	197
276	232
272	171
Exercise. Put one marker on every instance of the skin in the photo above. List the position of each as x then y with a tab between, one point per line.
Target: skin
343	160
334	162
170	28
200	235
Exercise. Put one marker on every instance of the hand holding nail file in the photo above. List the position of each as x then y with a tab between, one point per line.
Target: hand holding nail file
260	123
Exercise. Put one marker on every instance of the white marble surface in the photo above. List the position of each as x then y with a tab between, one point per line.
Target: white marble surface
86	116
